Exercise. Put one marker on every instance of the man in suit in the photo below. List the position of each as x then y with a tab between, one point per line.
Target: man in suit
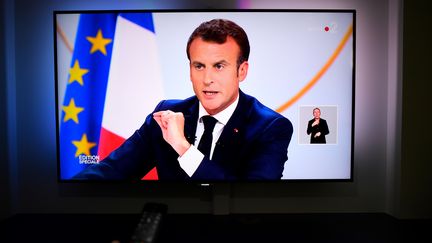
317	127
220	133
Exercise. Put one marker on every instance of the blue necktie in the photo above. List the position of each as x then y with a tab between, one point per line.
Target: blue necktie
206	140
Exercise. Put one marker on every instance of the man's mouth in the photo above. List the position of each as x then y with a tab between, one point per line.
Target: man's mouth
210	93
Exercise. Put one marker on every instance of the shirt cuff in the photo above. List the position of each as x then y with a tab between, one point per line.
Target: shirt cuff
190	160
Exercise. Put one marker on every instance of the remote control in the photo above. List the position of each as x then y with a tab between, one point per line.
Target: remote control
148	226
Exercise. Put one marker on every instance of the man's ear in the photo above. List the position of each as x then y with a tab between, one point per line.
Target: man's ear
243	70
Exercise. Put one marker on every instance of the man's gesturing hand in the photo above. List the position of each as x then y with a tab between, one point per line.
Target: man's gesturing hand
172	126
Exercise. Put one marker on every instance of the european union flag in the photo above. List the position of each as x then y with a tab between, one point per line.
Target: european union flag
85	93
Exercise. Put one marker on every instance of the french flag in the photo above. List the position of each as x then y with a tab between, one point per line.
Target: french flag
134	83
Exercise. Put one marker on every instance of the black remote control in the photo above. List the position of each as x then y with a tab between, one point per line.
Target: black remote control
149	224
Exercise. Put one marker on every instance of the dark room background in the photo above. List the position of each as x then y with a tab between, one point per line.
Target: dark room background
391	162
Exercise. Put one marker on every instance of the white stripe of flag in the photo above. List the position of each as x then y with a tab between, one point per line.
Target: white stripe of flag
135	80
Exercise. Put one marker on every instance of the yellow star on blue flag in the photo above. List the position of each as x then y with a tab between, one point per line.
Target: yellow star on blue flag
99	43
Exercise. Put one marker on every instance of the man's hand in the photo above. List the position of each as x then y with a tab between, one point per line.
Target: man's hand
317	134
172	126
316	122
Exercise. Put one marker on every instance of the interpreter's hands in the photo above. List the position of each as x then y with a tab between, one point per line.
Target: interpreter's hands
172	126
317	134
316	122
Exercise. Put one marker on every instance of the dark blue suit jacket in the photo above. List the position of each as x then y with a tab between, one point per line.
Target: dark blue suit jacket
252	146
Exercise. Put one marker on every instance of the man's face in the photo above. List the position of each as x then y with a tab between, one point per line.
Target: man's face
214	74
316	113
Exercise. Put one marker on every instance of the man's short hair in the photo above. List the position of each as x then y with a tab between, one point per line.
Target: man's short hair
217	30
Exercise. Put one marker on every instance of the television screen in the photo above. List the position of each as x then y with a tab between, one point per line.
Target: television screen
113	68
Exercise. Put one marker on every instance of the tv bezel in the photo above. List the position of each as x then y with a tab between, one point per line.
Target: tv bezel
204	183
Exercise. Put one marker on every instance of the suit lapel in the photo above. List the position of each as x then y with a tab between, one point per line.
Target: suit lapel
191	120
233	132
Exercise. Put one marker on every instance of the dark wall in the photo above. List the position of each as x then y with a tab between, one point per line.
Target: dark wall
4	168
416	177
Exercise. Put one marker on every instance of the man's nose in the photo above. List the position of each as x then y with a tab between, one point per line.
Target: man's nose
208	77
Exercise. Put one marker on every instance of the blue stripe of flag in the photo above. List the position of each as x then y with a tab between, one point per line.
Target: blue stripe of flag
144	20
90	96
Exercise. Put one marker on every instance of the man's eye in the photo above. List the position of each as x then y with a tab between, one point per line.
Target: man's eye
199	66
219	66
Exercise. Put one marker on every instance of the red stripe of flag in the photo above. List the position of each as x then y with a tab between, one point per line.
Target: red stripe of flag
110	141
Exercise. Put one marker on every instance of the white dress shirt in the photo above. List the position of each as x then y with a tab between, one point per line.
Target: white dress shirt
192	158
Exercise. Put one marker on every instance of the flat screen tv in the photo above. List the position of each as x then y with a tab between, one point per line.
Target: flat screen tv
114	67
